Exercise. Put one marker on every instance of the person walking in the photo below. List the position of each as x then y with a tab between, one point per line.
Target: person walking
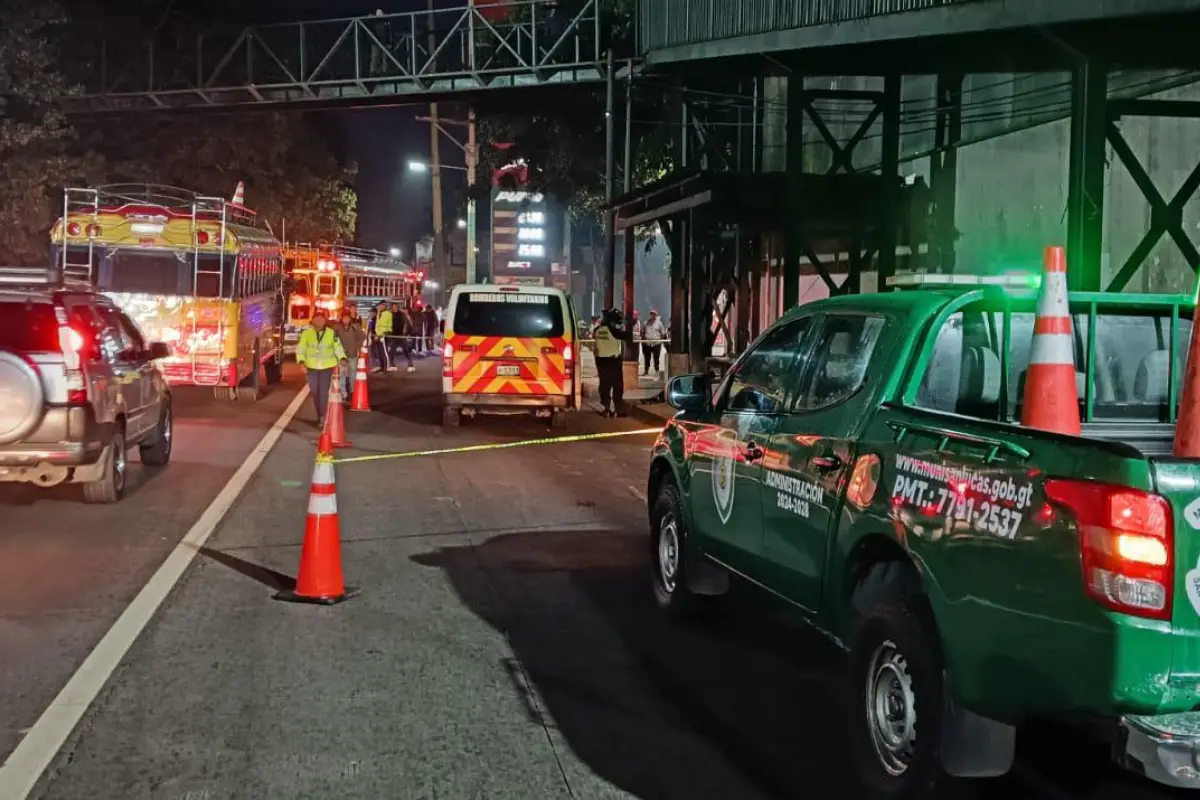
610	336
653	333
404	332
351	335
319	352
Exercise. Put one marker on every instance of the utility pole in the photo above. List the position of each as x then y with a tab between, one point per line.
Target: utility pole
435	169
610	217
472	161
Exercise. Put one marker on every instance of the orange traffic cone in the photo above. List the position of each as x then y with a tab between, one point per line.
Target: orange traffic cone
1051	400
335	416
324	444
1187	429
359	399
320	579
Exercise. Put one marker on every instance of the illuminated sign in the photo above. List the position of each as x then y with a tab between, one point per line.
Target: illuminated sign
519	197
531	250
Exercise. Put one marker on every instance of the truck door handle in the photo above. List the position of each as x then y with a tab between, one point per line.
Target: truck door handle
826	462
753	452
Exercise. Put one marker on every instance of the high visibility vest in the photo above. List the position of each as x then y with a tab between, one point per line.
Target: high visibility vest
383	325
607	345
319	351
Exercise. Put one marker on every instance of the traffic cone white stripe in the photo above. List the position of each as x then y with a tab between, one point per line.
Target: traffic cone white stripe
1052	302
239	194
1053	348
322	504
323	473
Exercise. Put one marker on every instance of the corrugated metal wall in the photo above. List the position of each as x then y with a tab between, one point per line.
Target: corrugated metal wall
669	23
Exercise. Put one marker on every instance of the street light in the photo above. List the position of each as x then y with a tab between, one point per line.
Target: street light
422	167
394	252
462	223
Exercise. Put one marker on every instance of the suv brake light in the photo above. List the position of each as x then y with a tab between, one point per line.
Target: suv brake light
1126	540
73	346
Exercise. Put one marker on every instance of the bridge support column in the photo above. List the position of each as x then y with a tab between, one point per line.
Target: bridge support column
889	219
793	244
943	174
1086	175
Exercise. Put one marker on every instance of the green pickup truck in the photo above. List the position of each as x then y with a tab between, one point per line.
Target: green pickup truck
864	461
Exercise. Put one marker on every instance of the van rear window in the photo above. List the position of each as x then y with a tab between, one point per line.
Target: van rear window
28	328
508	314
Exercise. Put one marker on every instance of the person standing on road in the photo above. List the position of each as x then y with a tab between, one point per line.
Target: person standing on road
431	329
610	336
351	335
405	331
653	333
319	351
383	329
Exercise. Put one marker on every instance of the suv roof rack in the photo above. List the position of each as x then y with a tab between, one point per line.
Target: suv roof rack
39	277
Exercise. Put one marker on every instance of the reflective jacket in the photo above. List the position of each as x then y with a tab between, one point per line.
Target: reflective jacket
607	344
383	325
319	351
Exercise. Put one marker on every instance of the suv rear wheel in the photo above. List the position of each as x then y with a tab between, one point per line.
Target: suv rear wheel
110	487
156	451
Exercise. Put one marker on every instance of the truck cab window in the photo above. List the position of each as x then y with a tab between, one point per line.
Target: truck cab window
759	381
838	365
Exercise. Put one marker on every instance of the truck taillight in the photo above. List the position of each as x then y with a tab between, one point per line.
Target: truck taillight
568	354
1126	540
448	360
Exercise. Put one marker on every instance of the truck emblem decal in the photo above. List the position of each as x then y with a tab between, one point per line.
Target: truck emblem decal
1192	513
1192	582
724	468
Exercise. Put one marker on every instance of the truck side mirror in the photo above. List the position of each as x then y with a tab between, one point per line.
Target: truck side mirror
689	392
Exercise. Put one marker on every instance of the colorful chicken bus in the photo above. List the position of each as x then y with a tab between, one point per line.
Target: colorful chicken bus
373	277
314	281
195	272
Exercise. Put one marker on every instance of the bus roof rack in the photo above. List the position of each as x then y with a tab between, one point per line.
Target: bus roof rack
41	277
929	280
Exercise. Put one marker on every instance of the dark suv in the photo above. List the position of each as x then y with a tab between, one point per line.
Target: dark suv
78	387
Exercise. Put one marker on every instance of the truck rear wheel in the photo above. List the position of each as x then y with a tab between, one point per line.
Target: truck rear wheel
898	695
670	554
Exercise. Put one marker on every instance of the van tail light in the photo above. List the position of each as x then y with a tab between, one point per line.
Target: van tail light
1126	540
448	360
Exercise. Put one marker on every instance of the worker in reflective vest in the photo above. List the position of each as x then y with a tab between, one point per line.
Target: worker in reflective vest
383	329
320	351
610	336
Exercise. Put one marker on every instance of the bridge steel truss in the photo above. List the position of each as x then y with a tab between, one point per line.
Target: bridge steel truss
348	61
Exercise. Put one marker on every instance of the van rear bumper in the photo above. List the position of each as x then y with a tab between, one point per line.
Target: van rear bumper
1163	748
507	400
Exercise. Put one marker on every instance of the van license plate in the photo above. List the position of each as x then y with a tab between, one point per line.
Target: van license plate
508	370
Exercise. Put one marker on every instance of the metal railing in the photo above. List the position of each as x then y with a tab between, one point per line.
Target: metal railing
350	60
672	23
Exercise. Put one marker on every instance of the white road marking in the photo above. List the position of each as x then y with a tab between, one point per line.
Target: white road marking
25	765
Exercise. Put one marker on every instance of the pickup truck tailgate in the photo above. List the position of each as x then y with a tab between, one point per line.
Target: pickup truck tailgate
1178	480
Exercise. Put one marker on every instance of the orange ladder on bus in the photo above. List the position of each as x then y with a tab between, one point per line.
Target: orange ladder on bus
76	203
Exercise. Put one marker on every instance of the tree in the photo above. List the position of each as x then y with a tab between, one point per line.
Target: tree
290	174
35	139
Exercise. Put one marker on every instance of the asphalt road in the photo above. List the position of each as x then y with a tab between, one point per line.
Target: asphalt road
67	569
504	646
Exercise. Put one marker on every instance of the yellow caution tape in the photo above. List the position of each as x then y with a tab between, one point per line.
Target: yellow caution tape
475	448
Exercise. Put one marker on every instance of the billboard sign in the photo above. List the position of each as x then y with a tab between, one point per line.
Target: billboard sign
520	234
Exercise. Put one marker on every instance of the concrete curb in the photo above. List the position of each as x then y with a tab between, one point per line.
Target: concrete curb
636	411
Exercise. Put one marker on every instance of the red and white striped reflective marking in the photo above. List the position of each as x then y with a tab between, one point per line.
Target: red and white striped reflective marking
322	499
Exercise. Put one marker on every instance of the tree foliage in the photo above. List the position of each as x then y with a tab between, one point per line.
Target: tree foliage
289	171
290	175
35	155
